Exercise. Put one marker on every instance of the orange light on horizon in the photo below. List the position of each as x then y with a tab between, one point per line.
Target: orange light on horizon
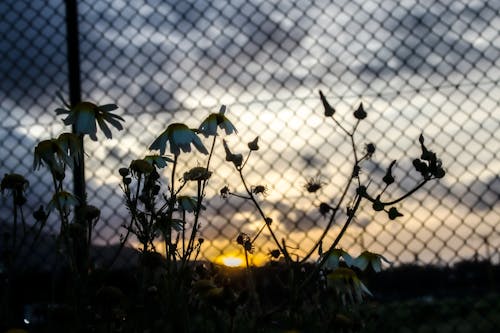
231	261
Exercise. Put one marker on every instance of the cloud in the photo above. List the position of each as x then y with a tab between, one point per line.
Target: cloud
479	194
443	41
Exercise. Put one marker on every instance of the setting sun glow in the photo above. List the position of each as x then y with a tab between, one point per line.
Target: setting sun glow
231	261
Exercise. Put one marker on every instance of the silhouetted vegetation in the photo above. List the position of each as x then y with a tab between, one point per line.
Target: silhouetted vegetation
171	291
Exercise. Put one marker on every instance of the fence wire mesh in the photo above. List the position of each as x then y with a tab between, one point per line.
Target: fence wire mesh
417	66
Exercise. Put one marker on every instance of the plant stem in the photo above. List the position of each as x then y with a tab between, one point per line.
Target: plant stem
333	246
332	219
171	204
264	217
344	193
413	190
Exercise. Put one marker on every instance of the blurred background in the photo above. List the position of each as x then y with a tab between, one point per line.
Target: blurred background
430	67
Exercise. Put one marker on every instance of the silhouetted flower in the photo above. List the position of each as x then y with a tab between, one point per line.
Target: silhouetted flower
347	285
314	184
124	172
50	153
421	167
242	239
275	253
40	215
260	189
84	116
245	241
14	182
158	161
180	137
187	203
324	208
90	212
197	174
63	200
370	259
70	144
17	184
141	167
248	245
209	126
428	165
333	260
224	192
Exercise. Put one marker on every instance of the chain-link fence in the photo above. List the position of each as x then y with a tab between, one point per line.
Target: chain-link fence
417	66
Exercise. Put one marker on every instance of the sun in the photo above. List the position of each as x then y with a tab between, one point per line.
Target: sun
232	261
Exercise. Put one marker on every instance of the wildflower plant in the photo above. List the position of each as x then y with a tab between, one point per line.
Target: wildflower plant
171	214
165	205
337	265
63	153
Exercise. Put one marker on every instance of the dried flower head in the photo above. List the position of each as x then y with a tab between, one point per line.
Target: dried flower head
324	208
197	174
370	149
14	182
260	189
141	167
244	240
40	215
224	192
275	254
314	184
124	172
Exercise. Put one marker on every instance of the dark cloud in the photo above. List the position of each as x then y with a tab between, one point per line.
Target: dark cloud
424	41
478	194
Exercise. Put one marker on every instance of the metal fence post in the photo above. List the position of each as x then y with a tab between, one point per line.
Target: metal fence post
73	53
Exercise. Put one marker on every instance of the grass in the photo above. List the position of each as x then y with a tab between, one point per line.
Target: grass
468	314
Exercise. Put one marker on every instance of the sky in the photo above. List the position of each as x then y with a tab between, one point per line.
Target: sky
428	67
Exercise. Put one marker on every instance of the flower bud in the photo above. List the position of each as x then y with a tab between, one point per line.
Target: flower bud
123	172
377	205
329	110
254	145
360	113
